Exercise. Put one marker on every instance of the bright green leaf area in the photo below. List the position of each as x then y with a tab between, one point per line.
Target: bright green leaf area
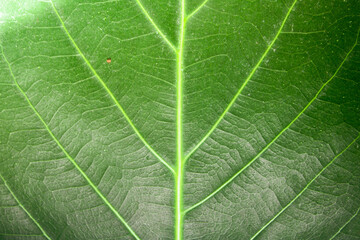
212	119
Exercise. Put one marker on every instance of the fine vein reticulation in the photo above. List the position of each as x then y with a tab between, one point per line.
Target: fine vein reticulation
278	135
110	93
181	158
25	210
304	189
156	26
347	222
87	179
243	85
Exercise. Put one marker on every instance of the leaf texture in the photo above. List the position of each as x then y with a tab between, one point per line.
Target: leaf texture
212	120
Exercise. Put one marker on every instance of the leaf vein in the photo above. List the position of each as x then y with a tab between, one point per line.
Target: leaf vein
196	10
347	222
180	165
304	189
110	93
25	210
278	135
155	26
243	85
97	191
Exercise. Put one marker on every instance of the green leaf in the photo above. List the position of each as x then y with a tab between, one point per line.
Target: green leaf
186	119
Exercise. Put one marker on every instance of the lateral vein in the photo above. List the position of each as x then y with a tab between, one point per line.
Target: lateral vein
25	210
243	85
97	191
155	26
303	190
196	10
111	94
347	222
277	136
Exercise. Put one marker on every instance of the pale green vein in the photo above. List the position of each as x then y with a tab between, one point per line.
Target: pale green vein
155	26
303	190
110	93
343	226
25	210
196	10
277	136
97	191
179	213
243	85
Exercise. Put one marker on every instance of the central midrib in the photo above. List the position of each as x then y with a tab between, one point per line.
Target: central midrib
179	213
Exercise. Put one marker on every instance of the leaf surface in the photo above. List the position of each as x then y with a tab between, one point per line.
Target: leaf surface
212	120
